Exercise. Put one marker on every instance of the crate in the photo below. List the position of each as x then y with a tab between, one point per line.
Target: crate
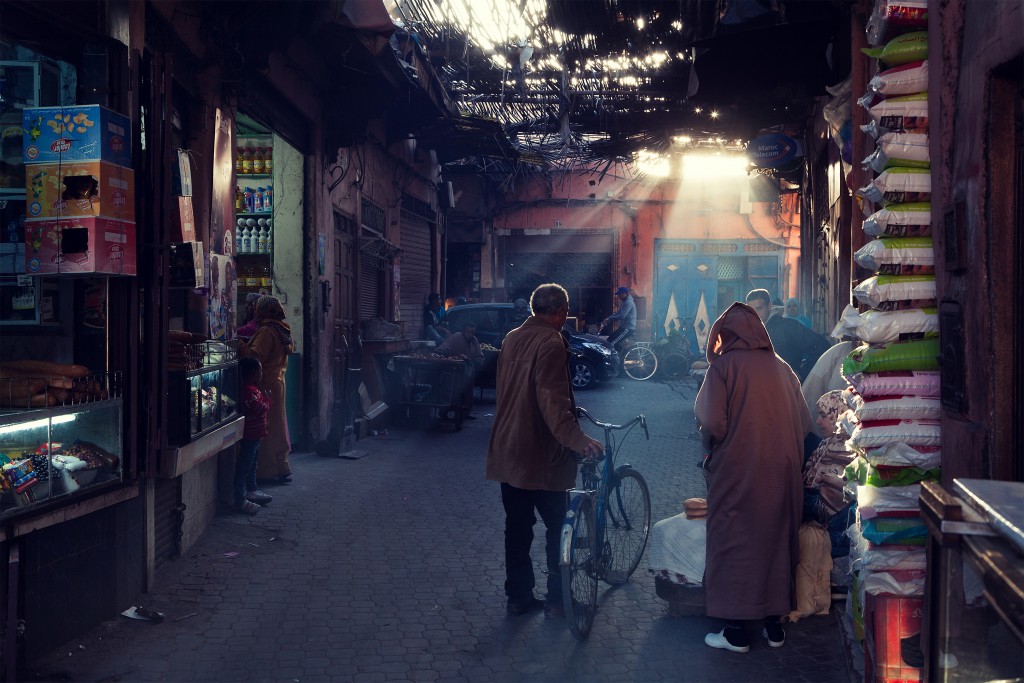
889	621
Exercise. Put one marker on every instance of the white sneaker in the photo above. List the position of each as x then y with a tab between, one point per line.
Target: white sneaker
718	640
774	643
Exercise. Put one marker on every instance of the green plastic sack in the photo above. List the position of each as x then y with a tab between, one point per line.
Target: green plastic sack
910	47
866	474
919	354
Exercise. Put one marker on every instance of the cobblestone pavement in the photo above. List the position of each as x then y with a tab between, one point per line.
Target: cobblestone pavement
390	568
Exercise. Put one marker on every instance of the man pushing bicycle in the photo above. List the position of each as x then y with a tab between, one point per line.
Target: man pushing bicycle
530	453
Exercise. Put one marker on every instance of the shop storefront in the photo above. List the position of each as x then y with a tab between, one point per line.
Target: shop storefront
70	504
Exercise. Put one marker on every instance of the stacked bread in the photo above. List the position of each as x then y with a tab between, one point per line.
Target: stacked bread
695	508
28	384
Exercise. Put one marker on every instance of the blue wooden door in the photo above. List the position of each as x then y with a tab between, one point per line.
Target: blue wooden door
682	280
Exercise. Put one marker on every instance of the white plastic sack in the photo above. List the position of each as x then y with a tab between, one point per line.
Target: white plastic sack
900	220
909	584
903	114
891	17
880	327
896	408
904	455
899	185
905	79
907	150
897	256
873	501
679	545
876	433
880	290
897	383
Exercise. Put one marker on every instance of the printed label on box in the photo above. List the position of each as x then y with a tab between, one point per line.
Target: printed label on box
80	189
76	133
80	245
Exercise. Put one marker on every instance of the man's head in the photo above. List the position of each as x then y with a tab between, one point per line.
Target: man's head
469	330
434	298
761	301
622	293
550	304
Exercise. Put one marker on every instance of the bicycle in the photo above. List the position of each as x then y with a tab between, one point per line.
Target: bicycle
606	528
641	360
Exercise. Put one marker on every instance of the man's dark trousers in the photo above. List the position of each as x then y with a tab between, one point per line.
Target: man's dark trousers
519	507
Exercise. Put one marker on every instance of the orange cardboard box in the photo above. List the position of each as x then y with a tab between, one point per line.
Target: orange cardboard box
79	190
80	245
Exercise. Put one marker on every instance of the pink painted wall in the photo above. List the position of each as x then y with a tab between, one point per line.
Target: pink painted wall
651	209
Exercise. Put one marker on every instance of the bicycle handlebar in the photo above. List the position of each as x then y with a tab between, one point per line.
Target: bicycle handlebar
582	412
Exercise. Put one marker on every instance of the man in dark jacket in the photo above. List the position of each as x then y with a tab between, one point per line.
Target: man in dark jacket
796	344
530	452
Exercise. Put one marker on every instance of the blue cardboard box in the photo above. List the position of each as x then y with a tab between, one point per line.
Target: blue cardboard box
86	132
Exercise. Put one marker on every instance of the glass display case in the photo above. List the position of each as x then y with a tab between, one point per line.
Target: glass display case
203	398
975	588
50	453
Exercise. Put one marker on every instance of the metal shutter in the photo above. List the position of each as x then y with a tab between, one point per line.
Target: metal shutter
371	287
415	271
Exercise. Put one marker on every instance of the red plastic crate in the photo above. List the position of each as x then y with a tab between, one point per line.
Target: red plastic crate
889	620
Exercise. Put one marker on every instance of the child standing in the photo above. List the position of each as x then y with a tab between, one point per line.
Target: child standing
255	406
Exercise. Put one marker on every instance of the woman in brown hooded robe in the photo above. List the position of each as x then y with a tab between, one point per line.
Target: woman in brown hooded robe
271	345
753	420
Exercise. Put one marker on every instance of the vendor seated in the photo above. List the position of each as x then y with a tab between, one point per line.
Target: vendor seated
464	344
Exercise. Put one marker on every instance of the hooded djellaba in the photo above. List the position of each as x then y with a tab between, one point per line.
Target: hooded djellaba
271	344
752	419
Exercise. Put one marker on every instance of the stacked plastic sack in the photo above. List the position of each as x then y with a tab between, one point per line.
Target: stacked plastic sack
893	421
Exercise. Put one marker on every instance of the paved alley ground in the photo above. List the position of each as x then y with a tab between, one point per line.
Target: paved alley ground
390	568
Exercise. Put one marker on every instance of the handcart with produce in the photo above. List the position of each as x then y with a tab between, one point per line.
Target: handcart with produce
432	387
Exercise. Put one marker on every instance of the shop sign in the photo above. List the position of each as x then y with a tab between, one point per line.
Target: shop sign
773	150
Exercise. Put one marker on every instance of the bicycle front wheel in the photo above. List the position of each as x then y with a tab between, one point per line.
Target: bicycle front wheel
579	570
640	363
627	524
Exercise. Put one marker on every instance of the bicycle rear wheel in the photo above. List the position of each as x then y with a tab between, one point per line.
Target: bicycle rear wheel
579	569
627	524
640	363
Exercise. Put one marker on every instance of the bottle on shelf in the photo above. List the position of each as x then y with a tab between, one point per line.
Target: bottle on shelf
257	202
261	241
239	200
238	159
268	159
244	240
249	200
268	199
257	161
247	160
265	276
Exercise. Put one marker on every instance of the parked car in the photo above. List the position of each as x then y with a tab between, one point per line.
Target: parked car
591	359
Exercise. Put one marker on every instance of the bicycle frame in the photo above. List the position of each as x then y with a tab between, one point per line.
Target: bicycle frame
594	485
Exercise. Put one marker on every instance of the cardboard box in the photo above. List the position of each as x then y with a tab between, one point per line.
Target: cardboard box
80	245
187	268
185	219
80	190
86	132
